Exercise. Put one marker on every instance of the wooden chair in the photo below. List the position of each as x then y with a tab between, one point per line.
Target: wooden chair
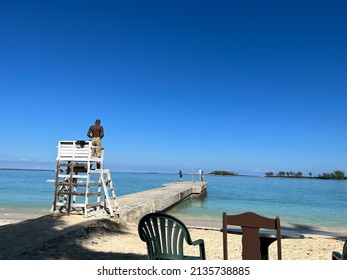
338	255
165	235
254	246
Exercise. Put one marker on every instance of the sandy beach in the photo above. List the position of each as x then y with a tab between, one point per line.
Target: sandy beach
73	237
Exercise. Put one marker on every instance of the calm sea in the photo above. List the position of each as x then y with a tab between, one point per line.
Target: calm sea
309	203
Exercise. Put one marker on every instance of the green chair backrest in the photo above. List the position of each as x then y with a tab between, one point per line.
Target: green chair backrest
344	251
164	236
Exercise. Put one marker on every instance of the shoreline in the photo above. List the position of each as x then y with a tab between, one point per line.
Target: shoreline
12	216
17	217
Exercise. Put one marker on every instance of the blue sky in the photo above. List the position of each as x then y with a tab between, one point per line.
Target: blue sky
243	86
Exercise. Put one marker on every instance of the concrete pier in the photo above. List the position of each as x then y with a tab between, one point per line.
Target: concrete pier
133	206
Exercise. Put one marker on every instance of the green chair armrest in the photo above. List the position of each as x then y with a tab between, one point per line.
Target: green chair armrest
201	244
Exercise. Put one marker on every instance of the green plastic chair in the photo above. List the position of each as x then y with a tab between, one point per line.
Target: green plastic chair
165	235
338	255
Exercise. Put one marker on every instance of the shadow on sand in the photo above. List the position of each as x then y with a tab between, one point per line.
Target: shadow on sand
305	229
53	238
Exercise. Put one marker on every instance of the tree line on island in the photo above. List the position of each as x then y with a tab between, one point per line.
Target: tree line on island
336	175
223	173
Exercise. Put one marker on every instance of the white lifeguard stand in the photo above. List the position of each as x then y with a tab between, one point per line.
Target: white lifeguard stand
79	186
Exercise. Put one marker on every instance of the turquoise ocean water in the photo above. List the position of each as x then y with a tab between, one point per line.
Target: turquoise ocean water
308	203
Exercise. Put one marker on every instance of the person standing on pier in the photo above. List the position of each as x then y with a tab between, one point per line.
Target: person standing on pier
181	175
201	175
96	133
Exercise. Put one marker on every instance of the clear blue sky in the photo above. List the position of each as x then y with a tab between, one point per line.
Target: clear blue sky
243	86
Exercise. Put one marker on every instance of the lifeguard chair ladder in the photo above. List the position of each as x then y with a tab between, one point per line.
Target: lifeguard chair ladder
79	187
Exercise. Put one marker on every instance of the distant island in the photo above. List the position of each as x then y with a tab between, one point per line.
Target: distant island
223	173
336	175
